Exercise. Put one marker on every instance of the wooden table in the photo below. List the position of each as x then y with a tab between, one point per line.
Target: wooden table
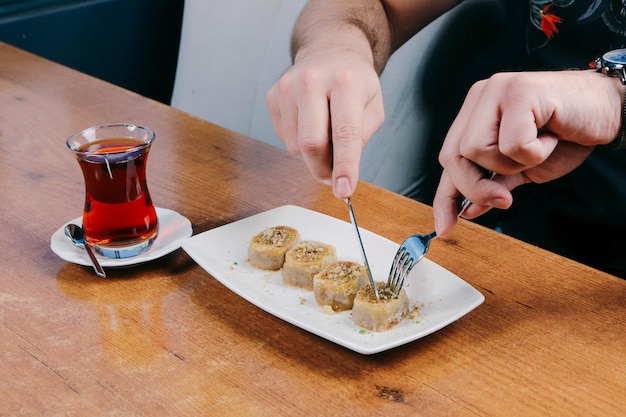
166	338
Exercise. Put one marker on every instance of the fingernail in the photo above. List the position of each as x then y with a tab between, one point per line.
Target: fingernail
343	188
500	203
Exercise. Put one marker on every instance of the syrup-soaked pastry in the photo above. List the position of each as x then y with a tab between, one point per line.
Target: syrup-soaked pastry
305	260
267	249
379	315
336	285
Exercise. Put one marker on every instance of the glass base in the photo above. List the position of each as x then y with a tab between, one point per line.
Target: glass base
120	252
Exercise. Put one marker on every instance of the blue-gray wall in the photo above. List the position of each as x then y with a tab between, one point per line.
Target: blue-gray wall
131	43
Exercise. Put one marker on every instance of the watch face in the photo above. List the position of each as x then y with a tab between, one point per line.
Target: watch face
617	56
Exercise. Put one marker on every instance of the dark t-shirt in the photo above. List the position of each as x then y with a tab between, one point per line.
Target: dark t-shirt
583	214
572	33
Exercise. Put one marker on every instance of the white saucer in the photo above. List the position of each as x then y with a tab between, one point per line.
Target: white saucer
173	230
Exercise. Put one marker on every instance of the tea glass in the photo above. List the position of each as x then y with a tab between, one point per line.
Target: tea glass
119	218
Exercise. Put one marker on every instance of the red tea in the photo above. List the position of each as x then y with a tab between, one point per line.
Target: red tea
118	209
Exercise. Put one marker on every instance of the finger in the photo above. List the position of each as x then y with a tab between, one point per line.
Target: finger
477	186
520	137
272	100
445	206
348	137
283	111
451	146
508	123
566	157
374	116
345	186
447	197
313	136
480	140
477	130
474	133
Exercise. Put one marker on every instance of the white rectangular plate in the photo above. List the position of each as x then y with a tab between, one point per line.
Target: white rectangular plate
223	252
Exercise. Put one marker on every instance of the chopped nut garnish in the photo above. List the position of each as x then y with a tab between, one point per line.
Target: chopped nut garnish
384	292
309	251
342	271
275	236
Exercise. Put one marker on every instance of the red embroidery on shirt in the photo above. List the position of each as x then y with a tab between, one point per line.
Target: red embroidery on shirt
549	22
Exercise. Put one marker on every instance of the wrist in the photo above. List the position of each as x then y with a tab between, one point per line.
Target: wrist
620	141
613	64
341	41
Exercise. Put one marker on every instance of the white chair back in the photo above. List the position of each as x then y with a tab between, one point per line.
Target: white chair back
233	51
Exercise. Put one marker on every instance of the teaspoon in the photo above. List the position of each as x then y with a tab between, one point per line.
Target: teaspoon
76	235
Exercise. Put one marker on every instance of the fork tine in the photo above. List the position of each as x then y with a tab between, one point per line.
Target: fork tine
394	272
405	268
402	264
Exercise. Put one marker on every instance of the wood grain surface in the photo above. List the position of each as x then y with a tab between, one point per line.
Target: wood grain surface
166	338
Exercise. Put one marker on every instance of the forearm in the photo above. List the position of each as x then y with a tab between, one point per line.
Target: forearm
372	28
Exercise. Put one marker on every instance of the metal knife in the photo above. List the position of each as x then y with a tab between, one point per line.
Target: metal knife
358	237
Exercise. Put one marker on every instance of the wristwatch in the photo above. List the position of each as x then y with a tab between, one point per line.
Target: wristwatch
613	64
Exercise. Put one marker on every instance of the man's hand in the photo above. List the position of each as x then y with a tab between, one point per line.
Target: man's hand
326	107
532	126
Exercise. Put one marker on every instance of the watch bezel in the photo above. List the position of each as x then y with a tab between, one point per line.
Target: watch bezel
616	57
613	64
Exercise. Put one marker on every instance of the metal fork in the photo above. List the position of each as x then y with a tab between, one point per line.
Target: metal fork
413	249
410	252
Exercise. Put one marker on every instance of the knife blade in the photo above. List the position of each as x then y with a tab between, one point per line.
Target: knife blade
360	241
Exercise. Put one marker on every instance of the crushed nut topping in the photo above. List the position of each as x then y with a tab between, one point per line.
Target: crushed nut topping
384	292
343	271
309	251
275	236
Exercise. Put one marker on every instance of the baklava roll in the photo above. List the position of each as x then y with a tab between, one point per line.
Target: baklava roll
383	314
304	260
267	249
336	285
